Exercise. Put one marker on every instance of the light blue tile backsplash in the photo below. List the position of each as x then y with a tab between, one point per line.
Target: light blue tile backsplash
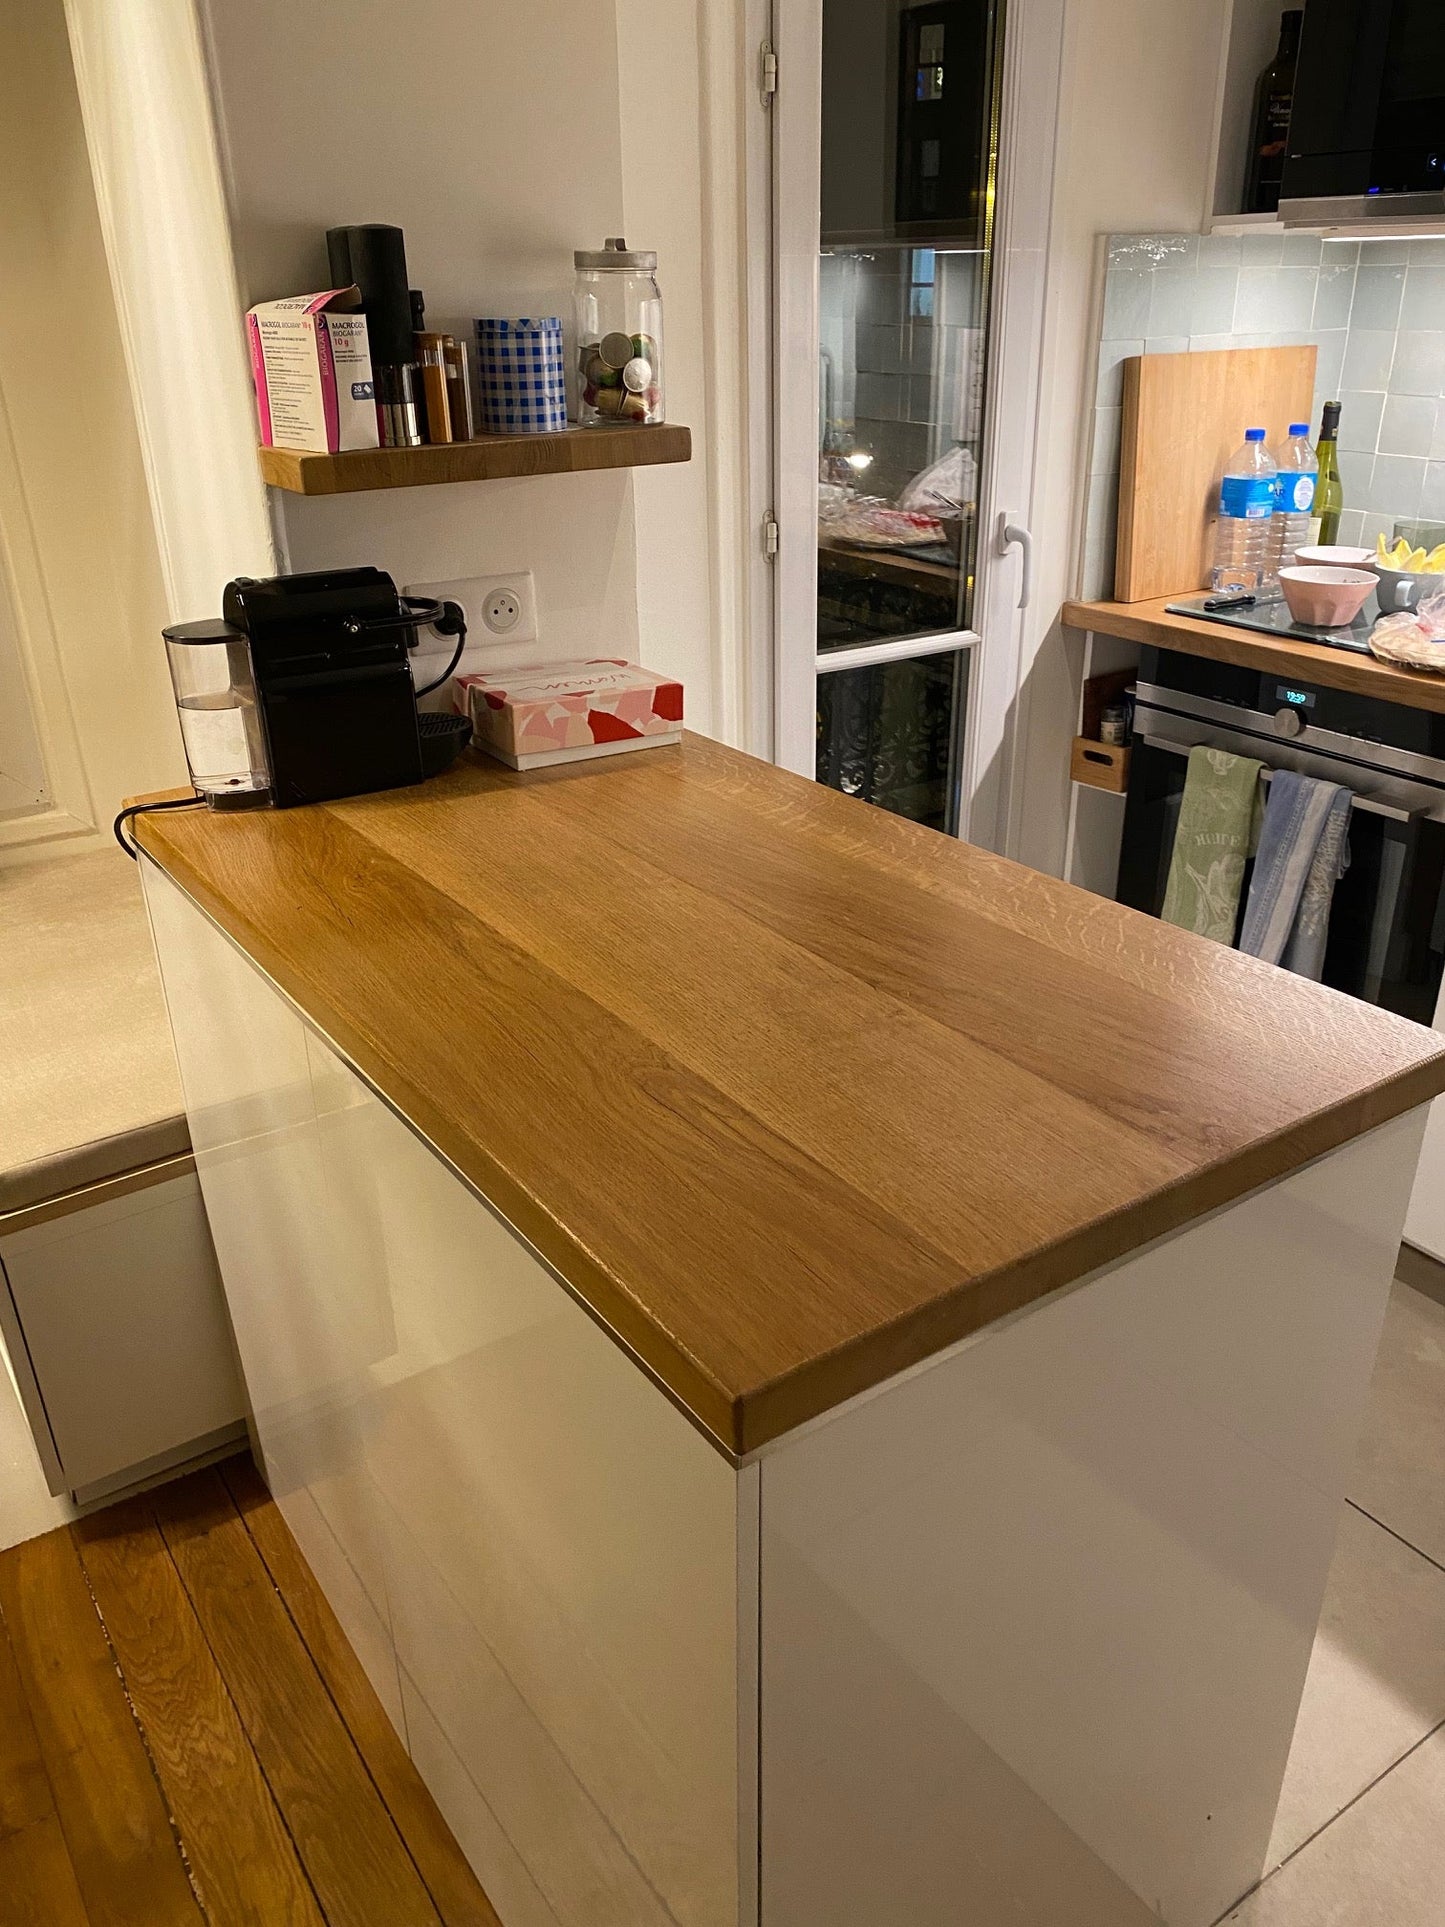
1419	357
1378	294
1369	358
1374	310
1408	425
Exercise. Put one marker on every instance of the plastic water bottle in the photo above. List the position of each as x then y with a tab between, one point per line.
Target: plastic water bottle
1294	499
1246	512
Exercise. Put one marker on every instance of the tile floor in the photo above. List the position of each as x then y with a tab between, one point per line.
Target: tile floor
1359	1839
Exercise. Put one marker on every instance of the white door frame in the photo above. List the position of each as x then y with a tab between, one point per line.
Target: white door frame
1029	129
1029	97
797	226
759	218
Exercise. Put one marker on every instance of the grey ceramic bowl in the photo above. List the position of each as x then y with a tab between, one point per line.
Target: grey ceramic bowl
1401	591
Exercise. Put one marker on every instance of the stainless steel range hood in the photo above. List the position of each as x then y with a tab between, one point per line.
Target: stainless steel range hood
1366	216
1366	145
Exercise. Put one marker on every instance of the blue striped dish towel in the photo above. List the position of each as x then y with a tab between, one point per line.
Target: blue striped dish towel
521	378
1303	853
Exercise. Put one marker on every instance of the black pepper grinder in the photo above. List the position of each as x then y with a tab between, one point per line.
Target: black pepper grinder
373	256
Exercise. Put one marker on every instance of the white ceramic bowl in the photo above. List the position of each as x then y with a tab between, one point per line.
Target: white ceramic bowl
1326	598
1332	556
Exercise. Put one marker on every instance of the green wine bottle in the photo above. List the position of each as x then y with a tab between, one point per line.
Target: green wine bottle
1330	492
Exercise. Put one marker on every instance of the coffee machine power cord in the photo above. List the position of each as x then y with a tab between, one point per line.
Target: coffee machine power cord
143	809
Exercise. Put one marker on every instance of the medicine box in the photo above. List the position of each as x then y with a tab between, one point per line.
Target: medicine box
312	367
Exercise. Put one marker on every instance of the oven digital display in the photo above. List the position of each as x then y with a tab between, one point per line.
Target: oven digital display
1296	698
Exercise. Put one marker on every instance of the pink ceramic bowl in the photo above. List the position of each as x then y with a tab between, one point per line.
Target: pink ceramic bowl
1326	598
1332	556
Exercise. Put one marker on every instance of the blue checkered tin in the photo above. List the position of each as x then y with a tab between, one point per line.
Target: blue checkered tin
521	381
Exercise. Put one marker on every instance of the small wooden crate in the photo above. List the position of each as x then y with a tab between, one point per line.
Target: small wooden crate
1103	766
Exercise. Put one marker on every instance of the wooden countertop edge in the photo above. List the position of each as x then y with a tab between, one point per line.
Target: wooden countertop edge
1150	622
709	1406
739	1423
875	1357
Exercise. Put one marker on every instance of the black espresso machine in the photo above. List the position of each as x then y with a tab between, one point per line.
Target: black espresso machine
304	692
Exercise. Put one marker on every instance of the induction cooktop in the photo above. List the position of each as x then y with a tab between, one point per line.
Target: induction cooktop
1274	619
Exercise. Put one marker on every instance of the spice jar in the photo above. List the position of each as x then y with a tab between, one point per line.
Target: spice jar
619	335
1114	724
431	360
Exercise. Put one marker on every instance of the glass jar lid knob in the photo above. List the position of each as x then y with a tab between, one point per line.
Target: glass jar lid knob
615	256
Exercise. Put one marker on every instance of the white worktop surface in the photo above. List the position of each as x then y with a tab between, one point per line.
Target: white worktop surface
85	1048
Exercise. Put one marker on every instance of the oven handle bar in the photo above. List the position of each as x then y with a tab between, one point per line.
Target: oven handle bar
1368	804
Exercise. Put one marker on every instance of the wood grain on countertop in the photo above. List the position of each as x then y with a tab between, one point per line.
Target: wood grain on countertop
1149	622
791	1093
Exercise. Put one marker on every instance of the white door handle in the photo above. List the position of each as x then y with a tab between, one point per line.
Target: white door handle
1012	535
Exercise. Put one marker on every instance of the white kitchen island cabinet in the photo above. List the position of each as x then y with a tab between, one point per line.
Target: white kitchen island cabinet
715	1571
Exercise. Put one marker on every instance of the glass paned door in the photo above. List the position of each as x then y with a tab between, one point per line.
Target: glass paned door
906	155
911	166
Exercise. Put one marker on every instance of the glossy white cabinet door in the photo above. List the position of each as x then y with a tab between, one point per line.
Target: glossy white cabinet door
562	1548
1425	1226
510	1519
1035	1620
306	1304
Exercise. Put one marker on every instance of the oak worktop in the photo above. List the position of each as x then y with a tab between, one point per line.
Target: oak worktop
789	1093
1150	622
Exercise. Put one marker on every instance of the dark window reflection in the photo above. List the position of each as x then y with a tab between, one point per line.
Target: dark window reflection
900	433
888	734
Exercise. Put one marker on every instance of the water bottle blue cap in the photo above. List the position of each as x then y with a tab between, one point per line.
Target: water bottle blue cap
1299	428
1254	434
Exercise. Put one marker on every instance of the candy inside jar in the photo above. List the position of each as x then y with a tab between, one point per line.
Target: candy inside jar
619	335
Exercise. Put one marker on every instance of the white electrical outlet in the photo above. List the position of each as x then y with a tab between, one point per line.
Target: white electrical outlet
502	629
501	612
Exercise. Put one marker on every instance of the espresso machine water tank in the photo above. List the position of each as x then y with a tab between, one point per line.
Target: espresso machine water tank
220	720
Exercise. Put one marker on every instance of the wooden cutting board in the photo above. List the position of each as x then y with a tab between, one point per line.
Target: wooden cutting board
1184	416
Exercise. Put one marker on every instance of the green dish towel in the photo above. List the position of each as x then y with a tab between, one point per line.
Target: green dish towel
1218	823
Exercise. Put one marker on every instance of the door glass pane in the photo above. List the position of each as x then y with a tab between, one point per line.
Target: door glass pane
908	142
888	733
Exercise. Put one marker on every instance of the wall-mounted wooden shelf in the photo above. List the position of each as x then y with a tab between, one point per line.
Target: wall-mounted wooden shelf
486	458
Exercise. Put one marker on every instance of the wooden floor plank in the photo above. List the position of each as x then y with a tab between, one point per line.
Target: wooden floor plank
455	1890
348	1844
242	1858
37	1882
117	1831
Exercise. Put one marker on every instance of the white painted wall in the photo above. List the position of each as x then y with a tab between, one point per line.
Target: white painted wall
668	170
141	76
501	139
77	548
1134	155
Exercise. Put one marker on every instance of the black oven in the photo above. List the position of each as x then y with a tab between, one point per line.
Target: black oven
1387	924
1367	131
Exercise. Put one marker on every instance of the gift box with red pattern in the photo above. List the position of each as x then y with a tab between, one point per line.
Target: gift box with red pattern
560	712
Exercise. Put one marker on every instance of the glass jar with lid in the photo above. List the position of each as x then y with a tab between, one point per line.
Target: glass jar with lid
619	335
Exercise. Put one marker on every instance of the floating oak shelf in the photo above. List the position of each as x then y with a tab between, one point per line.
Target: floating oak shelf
486	458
